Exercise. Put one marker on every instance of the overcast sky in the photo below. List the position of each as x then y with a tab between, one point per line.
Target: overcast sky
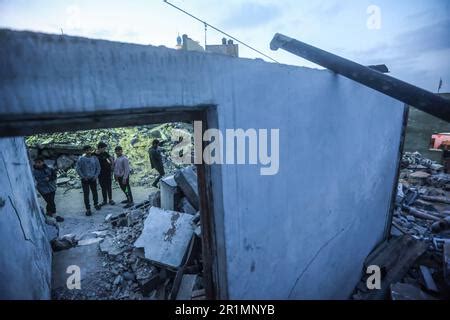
412	37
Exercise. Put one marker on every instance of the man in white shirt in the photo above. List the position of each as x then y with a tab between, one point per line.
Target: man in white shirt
122	175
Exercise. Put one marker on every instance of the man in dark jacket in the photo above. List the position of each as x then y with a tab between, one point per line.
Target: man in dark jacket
106	161
46	185
156	161
88	168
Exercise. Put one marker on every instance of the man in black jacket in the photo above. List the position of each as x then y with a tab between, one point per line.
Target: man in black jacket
45	178
104	178
156	161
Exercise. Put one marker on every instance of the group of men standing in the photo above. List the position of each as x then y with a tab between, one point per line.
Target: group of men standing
100	165
92	166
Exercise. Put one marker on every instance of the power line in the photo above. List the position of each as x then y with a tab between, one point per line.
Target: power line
223	32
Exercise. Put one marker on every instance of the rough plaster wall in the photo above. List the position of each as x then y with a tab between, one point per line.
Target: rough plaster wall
25	253
302	233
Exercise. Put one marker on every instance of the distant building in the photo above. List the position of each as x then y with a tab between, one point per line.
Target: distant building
226	48
191	45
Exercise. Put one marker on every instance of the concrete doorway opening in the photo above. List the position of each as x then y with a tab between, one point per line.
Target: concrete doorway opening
102	241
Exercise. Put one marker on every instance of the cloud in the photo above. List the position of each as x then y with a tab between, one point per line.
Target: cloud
250	15
417	56
328	9
423	40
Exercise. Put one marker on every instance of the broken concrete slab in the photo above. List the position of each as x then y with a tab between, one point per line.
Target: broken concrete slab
187	181
394	257
166	236
405	291
170	194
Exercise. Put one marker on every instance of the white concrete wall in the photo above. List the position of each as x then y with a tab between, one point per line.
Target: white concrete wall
25	253
302	233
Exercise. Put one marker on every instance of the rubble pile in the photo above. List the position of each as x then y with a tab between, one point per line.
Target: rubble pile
414	262
147	252
62	150
422	201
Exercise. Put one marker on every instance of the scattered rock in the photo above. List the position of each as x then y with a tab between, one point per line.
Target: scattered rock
112	247
64	162
87	242
61	181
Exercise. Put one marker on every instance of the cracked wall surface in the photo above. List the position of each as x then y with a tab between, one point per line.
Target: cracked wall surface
25	255
302	233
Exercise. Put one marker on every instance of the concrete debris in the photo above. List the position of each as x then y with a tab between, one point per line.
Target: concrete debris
187	181
421	194
118	219
101	233
65	242
90	241
170	193
394	258
62	180
112	246
146	251
134	216
404	291
152	283
412	262
166	236
419	177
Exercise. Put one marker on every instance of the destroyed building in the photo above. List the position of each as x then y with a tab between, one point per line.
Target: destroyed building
303	233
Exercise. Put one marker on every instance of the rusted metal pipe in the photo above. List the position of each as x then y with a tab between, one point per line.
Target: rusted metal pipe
411	95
